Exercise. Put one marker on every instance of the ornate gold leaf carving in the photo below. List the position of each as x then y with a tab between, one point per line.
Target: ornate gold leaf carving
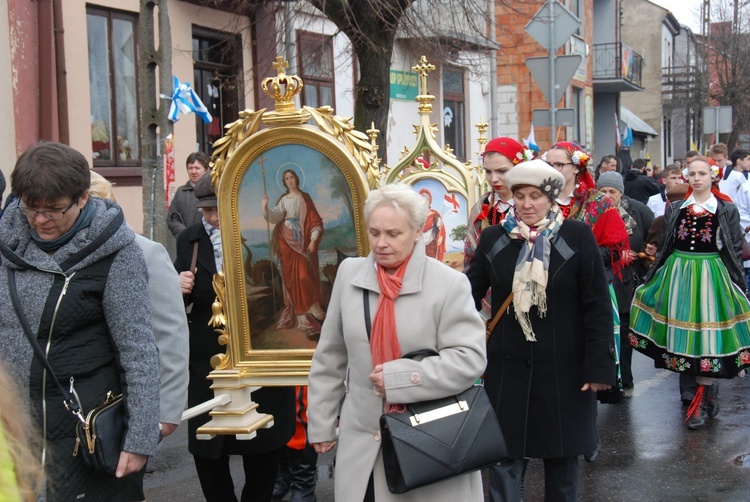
356	142
236	132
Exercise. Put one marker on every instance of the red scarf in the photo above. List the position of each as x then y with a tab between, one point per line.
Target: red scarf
717	193
384	340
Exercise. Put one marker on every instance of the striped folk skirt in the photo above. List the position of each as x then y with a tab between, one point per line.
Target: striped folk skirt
691	318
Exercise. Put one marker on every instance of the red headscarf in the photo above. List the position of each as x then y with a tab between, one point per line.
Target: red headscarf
714	188
510	148
580	158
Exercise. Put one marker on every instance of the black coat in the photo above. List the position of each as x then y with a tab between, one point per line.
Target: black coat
535	386
633	274
638	186
277	401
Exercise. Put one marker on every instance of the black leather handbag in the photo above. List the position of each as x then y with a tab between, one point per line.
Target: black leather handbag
430	441
435	440
99	435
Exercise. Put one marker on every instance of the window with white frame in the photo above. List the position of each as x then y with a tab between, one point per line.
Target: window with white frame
113	79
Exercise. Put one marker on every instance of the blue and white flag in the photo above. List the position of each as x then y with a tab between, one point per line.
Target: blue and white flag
627	137
530	142
185	100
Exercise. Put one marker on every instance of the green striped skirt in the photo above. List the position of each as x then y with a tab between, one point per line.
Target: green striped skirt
691	318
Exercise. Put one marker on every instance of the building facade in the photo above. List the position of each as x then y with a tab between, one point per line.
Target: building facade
75	78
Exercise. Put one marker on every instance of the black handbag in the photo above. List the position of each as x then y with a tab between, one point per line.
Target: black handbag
438	439
100	434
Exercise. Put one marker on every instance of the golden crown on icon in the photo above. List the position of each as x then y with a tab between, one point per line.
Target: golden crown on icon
282	88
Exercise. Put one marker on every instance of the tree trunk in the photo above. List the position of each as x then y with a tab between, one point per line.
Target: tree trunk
373	92
371	27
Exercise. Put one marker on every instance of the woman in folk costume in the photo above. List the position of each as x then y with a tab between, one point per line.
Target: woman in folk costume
580	200
692	315
499	157
296	238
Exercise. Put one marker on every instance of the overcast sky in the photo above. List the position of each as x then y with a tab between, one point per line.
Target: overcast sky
687	12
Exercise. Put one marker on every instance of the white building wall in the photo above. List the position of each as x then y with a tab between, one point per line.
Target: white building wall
507	111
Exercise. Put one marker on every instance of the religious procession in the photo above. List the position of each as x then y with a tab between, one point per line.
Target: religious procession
322	308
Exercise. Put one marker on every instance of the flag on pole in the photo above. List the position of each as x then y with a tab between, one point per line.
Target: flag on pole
693	146
627	138
450	200
185	100
530	142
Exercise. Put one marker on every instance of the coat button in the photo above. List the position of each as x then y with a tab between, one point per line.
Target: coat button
415	378
376	436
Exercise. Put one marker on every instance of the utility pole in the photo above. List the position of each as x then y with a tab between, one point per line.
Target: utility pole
155	124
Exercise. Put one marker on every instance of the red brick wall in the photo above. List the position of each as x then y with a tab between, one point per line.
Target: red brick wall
515	46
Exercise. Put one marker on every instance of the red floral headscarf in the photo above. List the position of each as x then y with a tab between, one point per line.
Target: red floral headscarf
580	159
717	174
509	148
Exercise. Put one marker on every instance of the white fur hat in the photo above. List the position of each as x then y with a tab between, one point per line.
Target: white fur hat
539	174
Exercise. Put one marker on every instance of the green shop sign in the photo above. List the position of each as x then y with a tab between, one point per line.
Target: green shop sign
404	85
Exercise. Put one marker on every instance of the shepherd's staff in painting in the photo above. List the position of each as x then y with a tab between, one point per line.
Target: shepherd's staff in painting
262	161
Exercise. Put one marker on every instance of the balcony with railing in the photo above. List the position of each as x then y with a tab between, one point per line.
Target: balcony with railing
617	68
682	85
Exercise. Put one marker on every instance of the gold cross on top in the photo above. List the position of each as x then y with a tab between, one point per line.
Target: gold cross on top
280	65
423	68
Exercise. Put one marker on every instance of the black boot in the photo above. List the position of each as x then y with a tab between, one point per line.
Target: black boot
713	400
697	414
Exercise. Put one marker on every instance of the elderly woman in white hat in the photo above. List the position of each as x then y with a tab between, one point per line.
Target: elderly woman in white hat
553	348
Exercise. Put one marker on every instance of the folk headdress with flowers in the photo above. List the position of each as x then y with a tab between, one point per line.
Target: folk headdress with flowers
578	156
717	172
510	148
580	159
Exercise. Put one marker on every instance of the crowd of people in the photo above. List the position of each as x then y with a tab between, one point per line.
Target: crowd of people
580	267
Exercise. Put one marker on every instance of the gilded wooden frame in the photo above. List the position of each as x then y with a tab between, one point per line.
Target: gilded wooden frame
269	363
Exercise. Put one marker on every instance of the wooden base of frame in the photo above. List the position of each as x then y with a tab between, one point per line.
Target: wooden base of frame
239	417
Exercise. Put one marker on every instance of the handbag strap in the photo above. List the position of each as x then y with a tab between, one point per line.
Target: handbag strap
68	401
366	301
498	315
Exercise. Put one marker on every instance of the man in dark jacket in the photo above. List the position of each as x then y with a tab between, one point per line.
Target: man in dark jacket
638	186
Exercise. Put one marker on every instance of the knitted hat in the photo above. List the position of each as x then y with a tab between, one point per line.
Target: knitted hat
510	148
537	173
610	179
204	192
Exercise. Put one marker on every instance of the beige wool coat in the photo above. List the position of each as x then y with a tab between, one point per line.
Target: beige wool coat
435	311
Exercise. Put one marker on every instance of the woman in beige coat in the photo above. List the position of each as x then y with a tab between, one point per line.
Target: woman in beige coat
426	305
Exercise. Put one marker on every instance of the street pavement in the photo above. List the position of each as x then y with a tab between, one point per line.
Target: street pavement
647	452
